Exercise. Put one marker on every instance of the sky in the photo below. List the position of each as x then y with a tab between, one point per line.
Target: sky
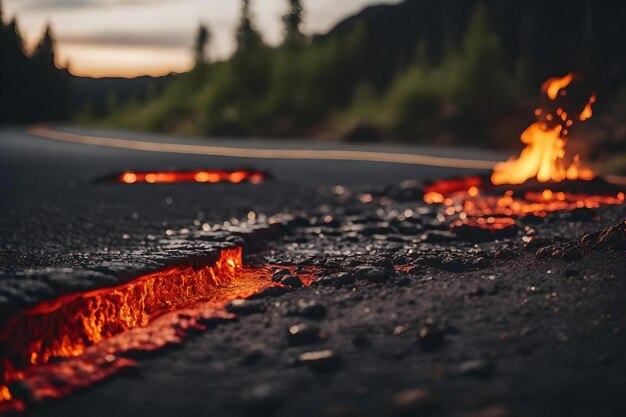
154	37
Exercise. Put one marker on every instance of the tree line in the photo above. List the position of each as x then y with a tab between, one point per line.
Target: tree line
32	88
305	86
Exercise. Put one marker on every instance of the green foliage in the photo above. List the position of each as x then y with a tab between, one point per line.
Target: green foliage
277	91
295	88
463	95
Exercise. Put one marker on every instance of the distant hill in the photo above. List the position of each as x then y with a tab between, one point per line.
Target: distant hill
97	92
548	37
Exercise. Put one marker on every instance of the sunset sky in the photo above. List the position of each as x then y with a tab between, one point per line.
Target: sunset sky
138	37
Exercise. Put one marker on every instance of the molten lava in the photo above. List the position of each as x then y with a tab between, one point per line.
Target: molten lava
545	157
476	207
92	330
206	176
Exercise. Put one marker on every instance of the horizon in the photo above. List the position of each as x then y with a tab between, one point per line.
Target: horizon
94	38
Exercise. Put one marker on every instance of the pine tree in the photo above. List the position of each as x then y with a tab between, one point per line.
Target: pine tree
247	37
293	20
44	53
203	38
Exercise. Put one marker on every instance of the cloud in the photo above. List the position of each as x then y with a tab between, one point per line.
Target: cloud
166	40
46	5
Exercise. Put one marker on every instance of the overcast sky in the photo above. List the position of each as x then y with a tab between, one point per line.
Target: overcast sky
136	37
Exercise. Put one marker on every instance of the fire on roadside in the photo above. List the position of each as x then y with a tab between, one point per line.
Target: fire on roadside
544	178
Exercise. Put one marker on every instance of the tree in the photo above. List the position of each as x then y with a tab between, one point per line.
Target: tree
293	20
247	37
203	38
44	54
51	84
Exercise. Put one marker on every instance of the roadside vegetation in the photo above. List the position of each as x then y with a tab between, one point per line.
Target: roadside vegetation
324	88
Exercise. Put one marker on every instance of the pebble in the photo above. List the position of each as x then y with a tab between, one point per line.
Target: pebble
478	368
321	361
413	402
291	281
373	273
280	273
303	334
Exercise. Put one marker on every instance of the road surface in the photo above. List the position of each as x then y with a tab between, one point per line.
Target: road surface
505	336
51	202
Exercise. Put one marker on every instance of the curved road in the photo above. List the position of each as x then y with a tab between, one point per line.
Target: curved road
81	153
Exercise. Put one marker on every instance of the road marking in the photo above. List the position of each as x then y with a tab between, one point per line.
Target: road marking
305	154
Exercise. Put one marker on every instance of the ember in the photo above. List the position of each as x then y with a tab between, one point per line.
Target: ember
206	176
545	176
91	329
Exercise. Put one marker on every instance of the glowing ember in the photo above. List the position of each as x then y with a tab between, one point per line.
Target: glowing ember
468	202
91	330
210	176
545	157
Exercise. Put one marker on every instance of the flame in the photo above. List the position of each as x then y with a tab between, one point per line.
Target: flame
587	111
553	85
544	156
479	209
210	176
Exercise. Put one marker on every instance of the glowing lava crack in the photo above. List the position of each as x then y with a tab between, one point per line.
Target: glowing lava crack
91	335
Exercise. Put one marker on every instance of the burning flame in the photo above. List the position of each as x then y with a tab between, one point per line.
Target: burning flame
544	156
553	85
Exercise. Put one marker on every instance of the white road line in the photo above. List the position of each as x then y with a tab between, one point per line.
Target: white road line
307	154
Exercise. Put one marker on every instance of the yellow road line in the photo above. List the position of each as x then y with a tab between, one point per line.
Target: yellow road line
308	154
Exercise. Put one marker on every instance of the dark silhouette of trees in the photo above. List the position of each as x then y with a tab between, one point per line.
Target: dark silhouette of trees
247	36
33	88
293	20
203	39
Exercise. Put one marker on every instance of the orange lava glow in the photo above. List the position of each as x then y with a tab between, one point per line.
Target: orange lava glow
544	156
206	176
93	330
469	202
474	204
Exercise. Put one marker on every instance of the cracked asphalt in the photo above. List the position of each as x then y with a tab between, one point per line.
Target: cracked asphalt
403	320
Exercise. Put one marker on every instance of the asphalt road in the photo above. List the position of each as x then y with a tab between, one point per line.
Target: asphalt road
55	160
518	336
54	213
